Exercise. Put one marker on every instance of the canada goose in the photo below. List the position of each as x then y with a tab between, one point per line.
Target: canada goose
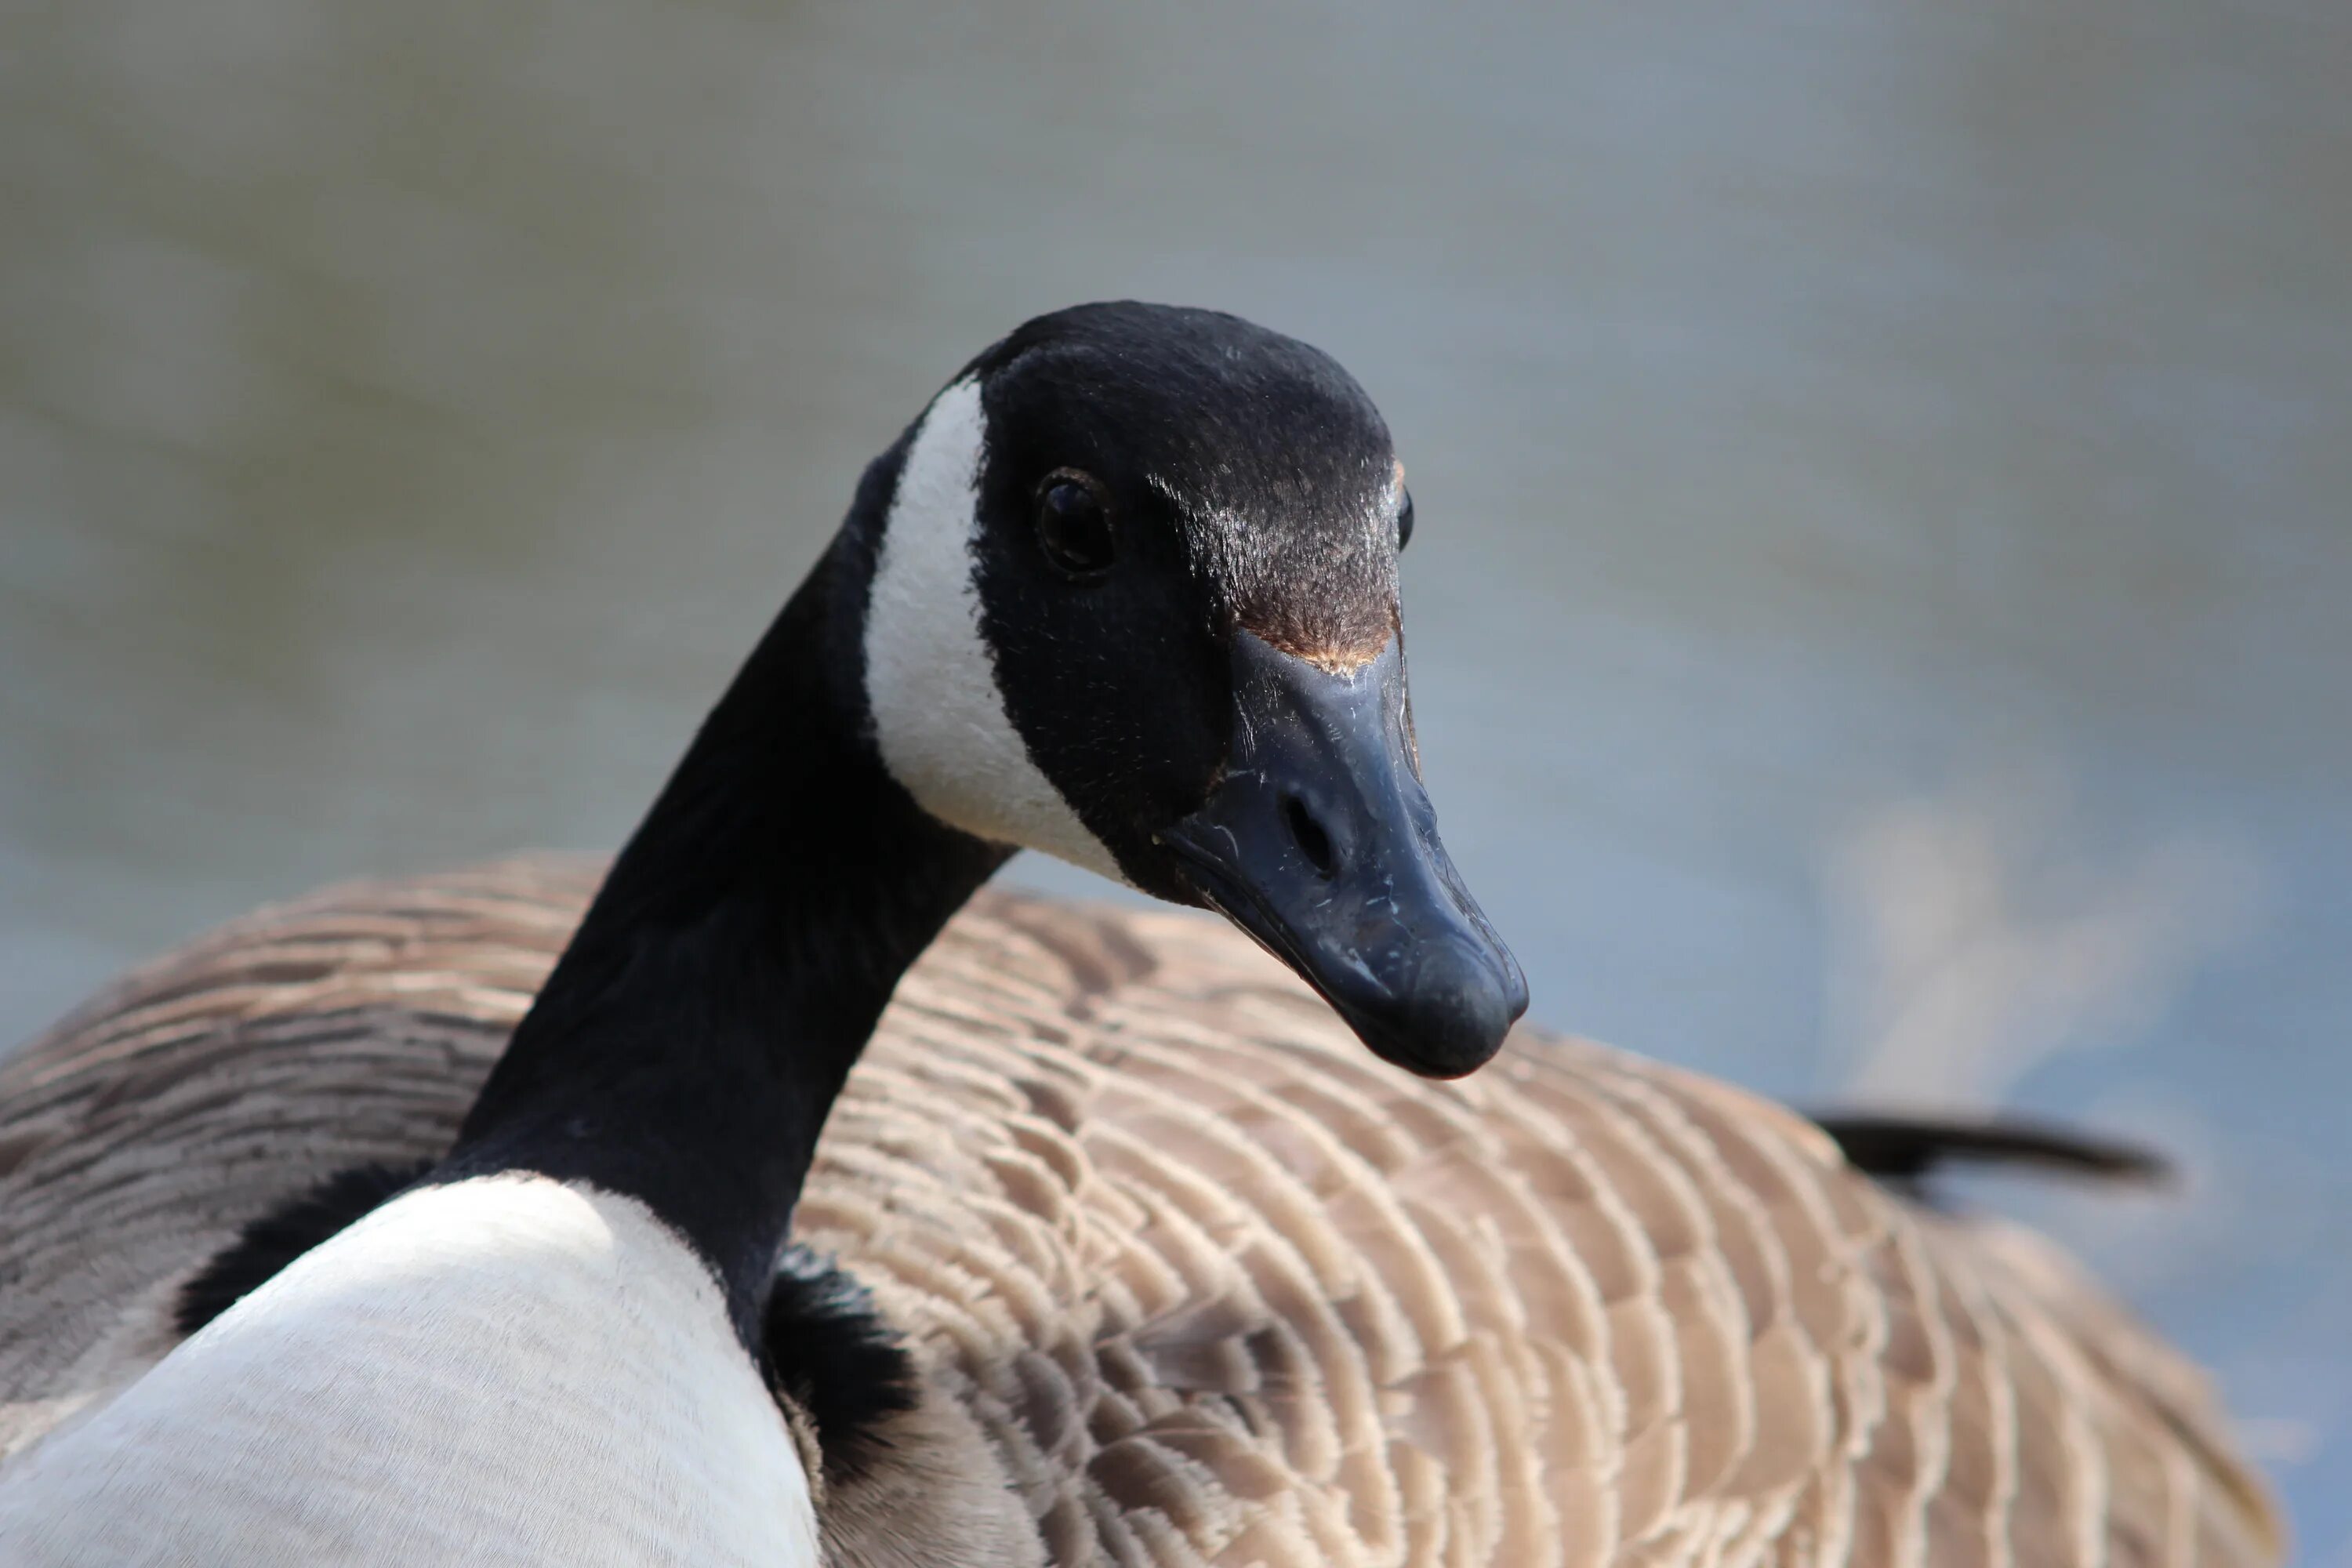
1180	1276
1125	592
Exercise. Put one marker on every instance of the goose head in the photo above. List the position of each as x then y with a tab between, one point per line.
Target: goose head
1133	603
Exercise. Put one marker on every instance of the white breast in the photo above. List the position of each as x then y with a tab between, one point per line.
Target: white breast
505	1371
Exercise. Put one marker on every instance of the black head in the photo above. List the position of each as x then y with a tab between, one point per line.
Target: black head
1135	605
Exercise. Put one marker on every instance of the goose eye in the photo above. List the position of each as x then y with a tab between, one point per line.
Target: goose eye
1074	524
1404	523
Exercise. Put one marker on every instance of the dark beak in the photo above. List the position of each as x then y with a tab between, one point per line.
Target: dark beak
1320	843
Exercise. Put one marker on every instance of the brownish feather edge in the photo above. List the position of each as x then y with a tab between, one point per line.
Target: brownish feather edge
1209	1283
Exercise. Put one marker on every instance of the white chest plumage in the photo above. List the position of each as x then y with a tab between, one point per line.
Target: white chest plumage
505	1371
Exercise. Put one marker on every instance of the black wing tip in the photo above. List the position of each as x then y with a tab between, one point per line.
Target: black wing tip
1907	1149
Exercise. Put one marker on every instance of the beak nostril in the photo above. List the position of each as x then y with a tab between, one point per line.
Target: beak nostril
1312	840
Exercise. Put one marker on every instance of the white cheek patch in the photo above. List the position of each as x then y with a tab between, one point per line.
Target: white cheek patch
938	718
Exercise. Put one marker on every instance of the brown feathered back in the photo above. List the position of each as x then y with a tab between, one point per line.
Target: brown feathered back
1213	1284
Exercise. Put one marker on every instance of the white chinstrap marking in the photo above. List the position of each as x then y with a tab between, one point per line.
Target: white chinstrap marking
939	717
505	1371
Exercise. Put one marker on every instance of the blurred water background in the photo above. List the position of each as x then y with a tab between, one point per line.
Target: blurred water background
1882	613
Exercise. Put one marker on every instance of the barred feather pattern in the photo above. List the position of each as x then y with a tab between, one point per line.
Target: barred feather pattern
1211	1283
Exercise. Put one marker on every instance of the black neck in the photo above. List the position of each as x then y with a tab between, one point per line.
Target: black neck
693	1037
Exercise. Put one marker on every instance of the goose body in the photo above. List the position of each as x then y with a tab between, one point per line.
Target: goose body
452	1219
1186	1277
